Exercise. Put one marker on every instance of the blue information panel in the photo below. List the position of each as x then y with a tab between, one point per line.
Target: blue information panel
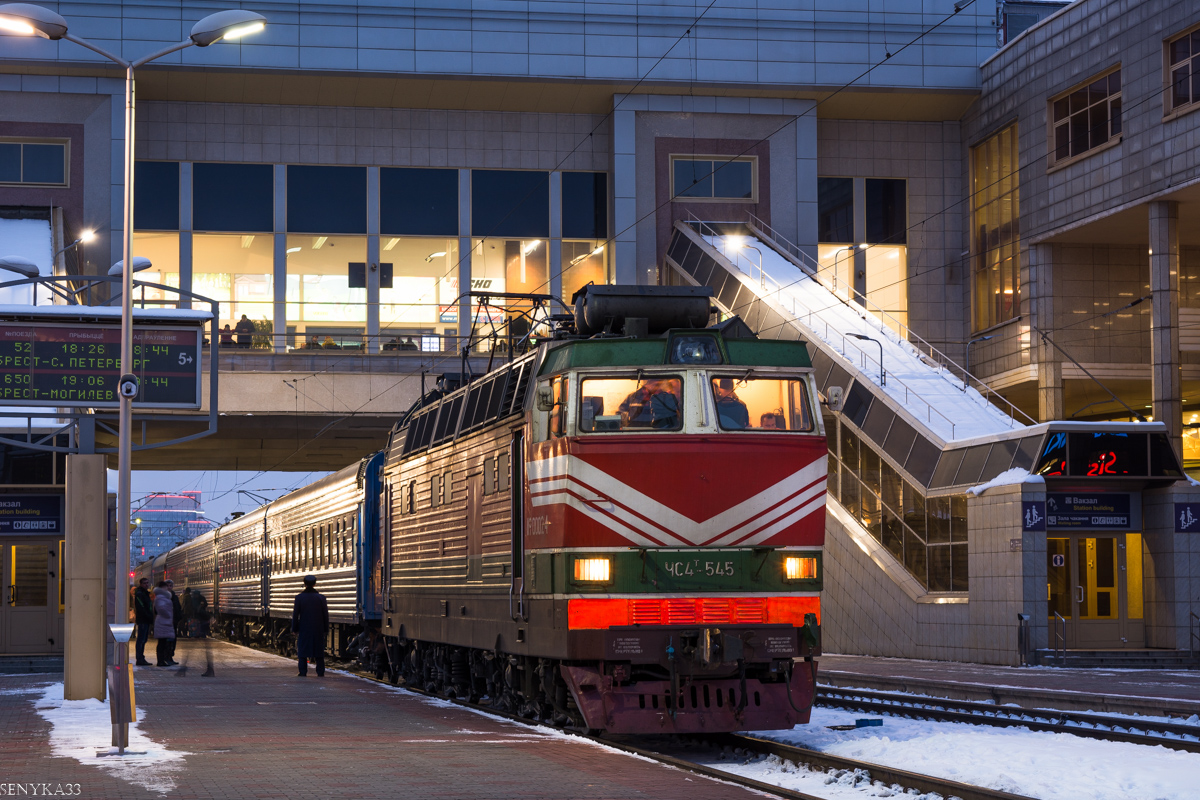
31	513
1094	511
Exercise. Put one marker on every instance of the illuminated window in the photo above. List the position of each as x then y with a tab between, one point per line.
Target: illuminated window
622	404
418	291
322	309
761	404
996	243
1183	72
1086	117
583	262
238	271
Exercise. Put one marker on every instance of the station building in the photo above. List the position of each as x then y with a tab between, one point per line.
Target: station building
1011	189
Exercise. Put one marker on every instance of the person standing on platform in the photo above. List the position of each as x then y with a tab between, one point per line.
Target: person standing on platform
164	625
143	616
176	610
310	623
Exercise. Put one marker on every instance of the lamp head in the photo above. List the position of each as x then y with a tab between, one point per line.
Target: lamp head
19	265
87	236
139	263
232	24
31	20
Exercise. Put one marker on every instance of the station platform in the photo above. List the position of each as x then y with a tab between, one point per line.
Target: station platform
1174	693
256	730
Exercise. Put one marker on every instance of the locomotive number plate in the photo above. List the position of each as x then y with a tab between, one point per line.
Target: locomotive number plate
698	566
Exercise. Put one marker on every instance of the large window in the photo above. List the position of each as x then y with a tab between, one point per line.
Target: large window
33	162
723	178
233	197
996	232
610	405
1086	118
322	309
1183	72
835	210
418	202
156	196
508	265
510	203
419	299
163	251
583	262
761	404
584	205
326	199
239	271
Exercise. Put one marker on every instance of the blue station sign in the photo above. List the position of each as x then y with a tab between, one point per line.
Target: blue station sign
1093	511
31	514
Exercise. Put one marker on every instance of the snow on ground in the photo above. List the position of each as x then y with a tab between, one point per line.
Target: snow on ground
80	729
933	396
1050	766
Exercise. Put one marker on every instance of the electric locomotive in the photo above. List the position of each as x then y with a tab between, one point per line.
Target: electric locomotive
621	529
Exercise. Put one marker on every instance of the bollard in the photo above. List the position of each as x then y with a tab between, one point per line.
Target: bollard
120	688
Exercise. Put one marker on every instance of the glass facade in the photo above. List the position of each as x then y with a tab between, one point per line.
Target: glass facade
156	196
163	251
928	535
233	197
835	210
237	270
996	240
322	309
512	203
583	262
418	202
326	199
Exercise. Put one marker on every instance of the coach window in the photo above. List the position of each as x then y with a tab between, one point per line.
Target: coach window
38	163
722	178
1182	61
609	405
1085	118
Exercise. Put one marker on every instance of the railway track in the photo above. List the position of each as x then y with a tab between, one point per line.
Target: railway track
1092	726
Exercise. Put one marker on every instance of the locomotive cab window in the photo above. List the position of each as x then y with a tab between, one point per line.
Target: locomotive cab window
762	404
630	404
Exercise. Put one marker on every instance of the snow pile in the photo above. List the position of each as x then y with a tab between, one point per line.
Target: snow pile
935	398
80	729
1011	477
1050	766
30	239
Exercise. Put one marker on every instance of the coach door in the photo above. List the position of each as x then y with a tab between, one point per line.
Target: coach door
1095	585
31	613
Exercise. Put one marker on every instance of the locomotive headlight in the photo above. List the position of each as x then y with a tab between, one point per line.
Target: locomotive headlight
796	568
593	569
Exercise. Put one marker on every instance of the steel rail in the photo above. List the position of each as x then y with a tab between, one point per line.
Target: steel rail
1117	729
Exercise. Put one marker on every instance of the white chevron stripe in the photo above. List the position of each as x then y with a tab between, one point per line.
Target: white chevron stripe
618	506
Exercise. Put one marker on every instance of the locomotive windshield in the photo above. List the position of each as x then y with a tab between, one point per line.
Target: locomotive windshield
762	404
625	404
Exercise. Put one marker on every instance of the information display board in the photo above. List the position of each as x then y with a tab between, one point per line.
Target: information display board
78	365
31	513
1095	511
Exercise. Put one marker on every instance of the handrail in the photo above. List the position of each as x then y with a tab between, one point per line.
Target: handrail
909	393
942	361
1060	638
1194	636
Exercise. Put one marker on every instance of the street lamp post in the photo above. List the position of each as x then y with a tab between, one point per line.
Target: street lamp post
967	369
33	20
838	254
882	372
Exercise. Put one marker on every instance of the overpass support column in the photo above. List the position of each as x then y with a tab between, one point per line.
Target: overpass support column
373	266
85	566
1164	320
1049	364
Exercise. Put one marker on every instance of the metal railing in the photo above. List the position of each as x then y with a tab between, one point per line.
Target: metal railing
948	367
1060	640
812	319
1194	633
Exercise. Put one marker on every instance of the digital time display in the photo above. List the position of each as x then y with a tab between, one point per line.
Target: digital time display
79	365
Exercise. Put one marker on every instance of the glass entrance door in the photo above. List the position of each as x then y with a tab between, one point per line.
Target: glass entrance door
1094	582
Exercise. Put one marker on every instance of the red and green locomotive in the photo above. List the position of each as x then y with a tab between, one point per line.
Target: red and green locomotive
621	529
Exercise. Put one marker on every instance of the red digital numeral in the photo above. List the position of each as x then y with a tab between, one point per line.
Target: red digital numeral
1104	465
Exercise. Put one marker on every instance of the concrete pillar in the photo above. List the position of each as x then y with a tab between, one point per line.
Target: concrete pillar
1049	365
279	327
806	178
84	567
185	231
372	259
858	256
625	214
556	268
464	254
1164	320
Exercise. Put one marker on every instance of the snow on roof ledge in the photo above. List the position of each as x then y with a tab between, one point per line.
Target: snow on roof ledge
1010	477
105	312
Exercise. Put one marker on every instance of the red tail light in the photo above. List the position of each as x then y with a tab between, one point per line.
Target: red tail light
594	614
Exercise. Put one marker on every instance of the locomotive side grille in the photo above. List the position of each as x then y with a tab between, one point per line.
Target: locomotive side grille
715	610
749	609
681	612
645	612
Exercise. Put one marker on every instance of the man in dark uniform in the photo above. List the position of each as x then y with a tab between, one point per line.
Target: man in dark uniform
143	610
310	623
245	332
